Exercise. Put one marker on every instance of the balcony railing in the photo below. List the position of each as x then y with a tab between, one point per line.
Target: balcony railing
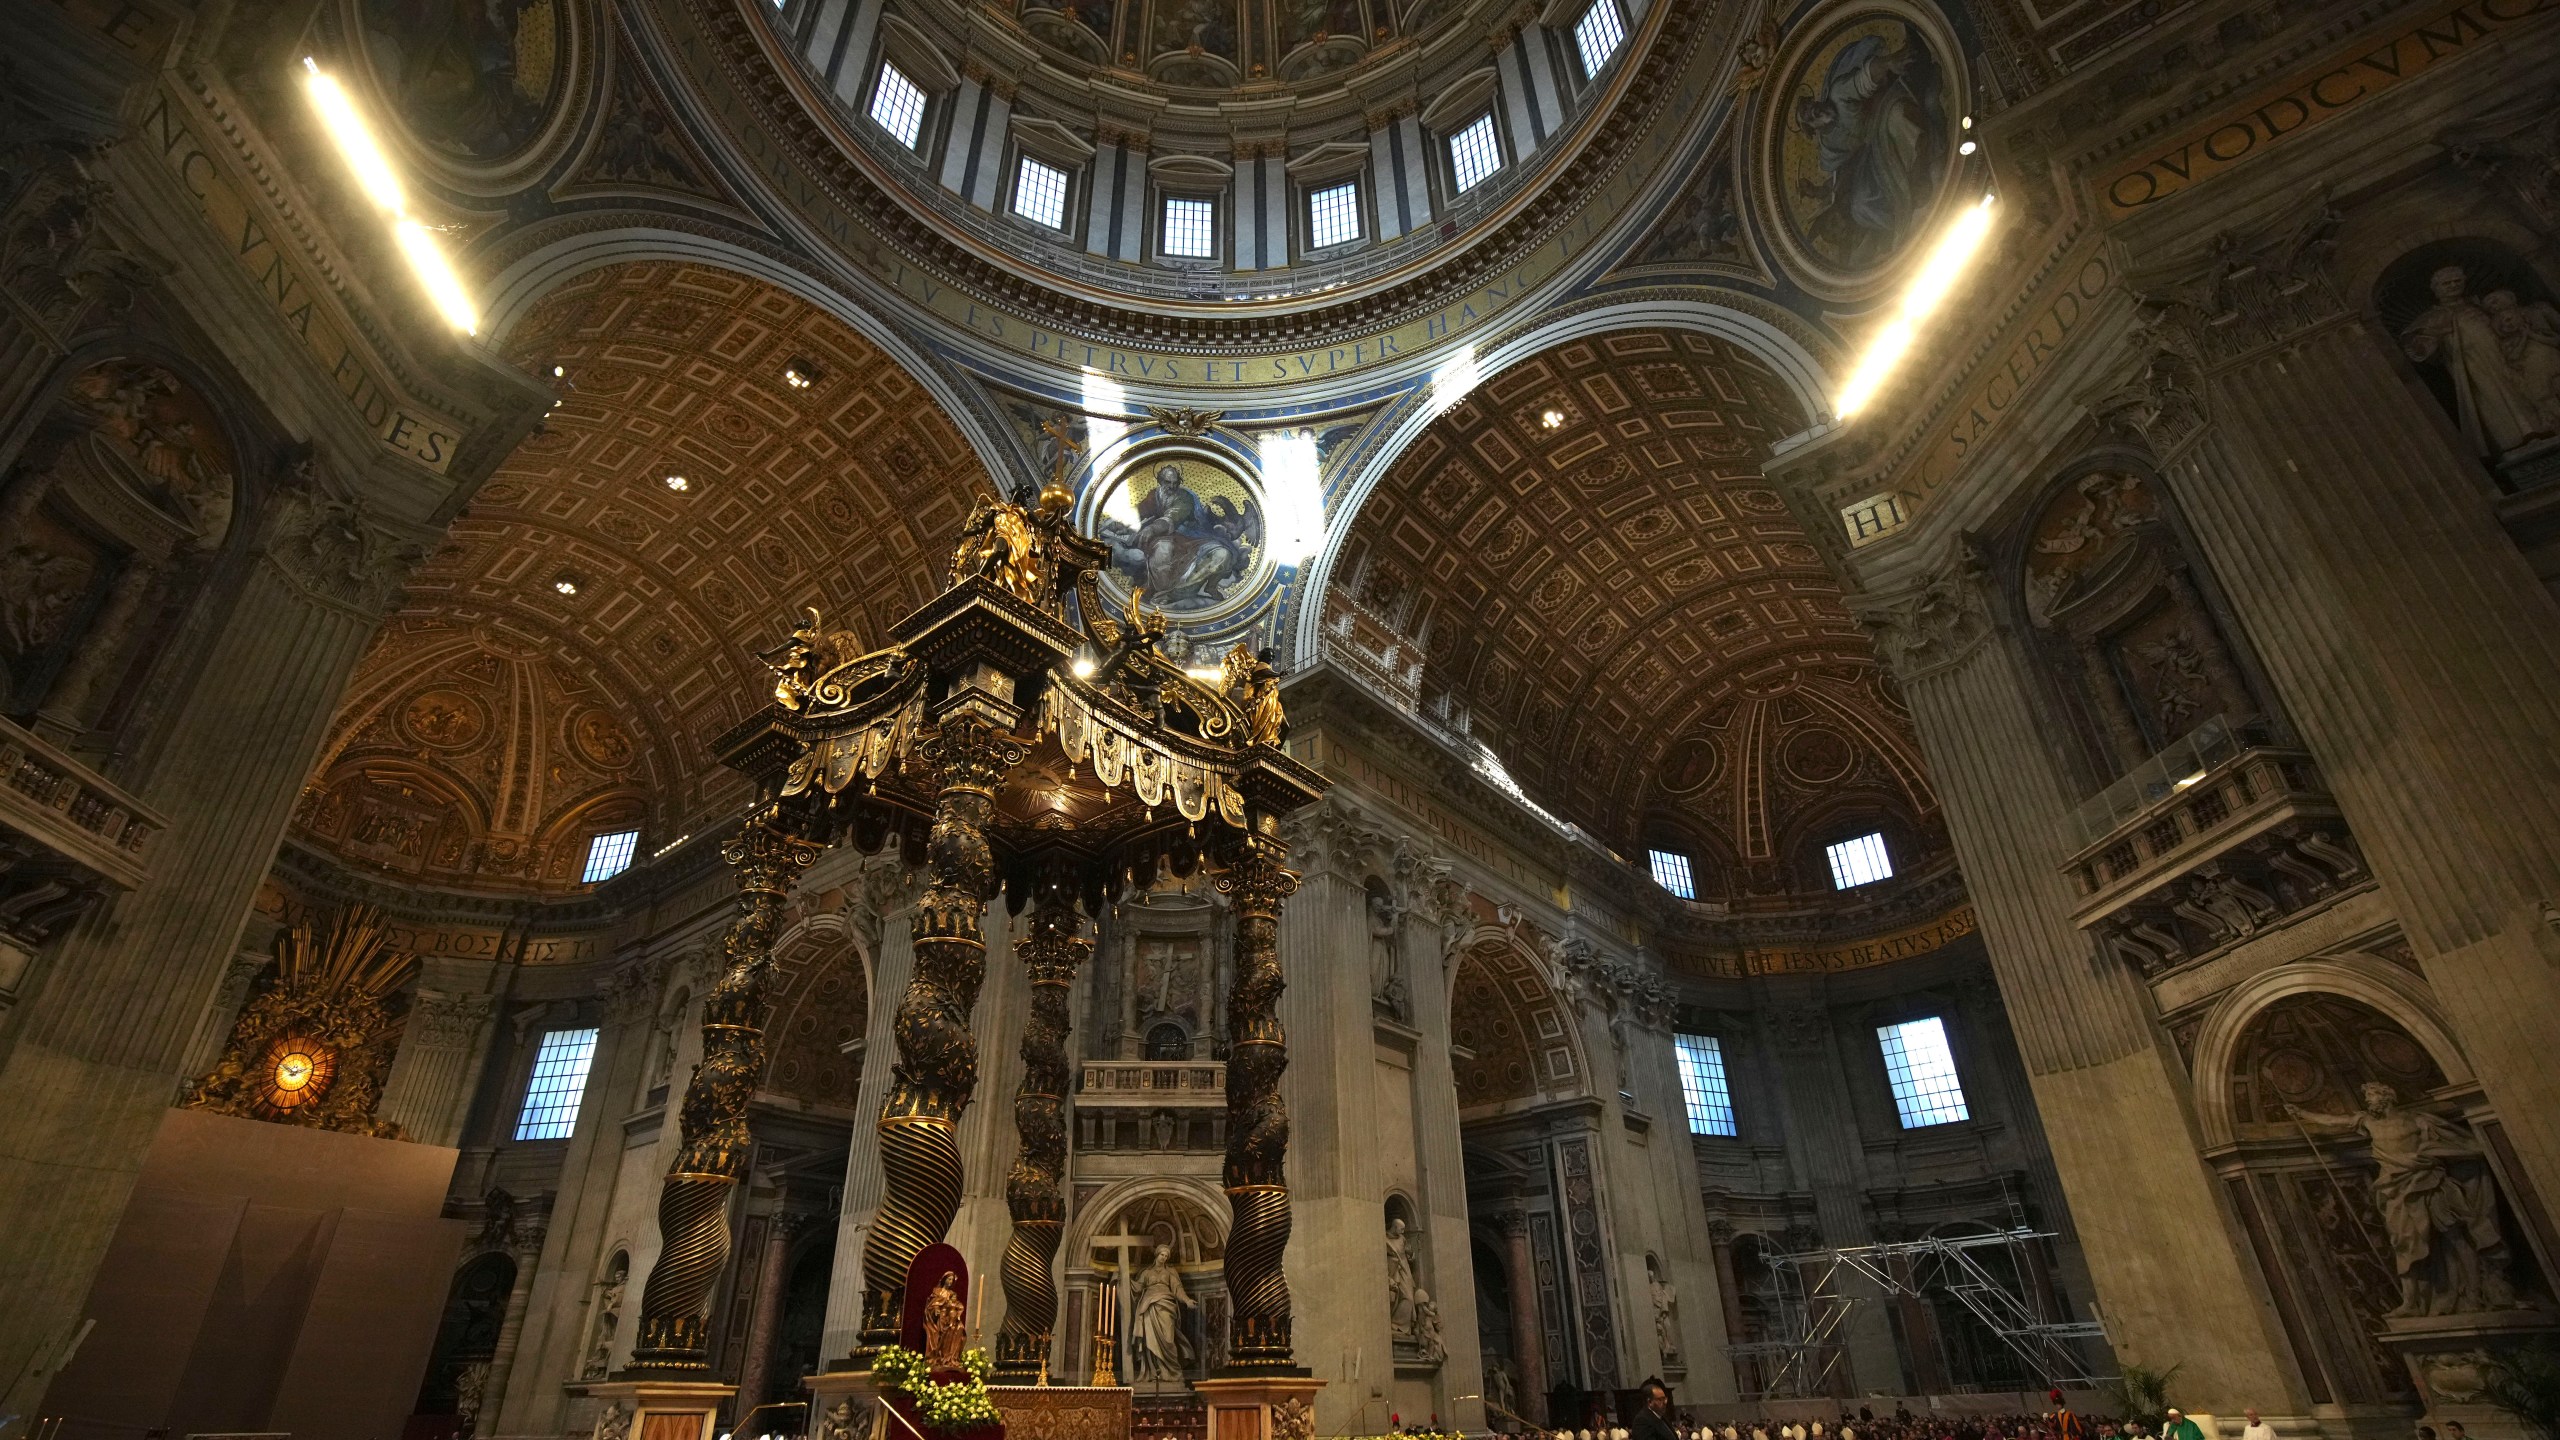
2207	844
1152	1084
60	805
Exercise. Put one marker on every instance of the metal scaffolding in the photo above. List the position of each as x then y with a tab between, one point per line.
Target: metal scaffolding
1811	1314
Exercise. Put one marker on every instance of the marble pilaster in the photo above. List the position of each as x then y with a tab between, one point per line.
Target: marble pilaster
2110	1090
96	1057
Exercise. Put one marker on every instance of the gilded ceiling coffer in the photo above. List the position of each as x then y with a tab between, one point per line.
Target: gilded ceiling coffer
1014	737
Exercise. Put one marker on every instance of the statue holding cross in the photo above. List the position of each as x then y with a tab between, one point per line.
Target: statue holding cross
1124	1248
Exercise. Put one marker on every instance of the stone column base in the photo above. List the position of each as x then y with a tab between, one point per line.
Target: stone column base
1261	1407
2448	1355
658	1409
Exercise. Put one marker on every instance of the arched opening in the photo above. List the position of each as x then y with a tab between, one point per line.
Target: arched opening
475	1311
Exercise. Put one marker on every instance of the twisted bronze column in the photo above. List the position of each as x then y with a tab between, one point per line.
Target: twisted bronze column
1035	1192
1257	1118
937	1066
693	1206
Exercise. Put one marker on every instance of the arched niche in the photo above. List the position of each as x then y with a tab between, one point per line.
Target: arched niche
2363	1164
475	1311
2137	651
1517	1034
813	1043
107	523
1112	1237
2480	325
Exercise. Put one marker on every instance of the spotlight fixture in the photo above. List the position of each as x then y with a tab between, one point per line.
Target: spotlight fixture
679	484
800	374
559	372
1083	666
1929	286
1968	147
375	175
1553	419
565	584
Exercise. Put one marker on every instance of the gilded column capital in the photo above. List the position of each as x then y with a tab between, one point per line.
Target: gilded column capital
1934	625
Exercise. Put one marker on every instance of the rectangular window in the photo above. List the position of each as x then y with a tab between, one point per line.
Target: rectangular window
1190	228
1040	193
1671	872
1598	34
610	855
1334	215
1859	862
1702	1085
1923	1072
1474	153
559	1082
897	105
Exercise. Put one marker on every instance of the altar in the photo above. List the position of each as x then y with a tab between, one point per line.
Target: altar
1063	1412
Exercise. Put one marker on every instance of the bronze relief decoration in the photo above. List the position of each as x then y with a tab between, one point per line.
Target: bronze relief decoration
314	1047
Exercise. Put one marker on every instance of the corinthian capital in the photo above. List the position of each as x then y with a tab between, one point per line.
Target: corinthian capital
1934	624
2162	406
332	548
2250	289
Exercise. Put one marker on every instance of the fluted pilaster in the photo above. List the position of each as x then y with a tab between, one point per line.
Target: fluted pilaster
100	1044
2103	1079
2412	645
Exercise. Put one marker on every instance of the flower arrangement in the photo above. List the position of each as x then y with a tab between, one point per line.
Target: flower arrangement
943	1406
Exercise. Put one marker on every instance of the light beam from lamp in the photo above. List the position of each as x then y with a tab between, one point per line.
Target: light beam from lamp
379	179
1928	288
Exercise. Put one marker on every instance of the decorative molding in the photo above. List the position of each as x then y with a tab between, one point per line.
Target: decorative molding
1936	624
333	549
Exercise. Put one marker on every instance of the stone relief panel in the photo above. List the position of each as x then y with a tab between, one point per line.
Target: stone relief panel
129	483
2109	587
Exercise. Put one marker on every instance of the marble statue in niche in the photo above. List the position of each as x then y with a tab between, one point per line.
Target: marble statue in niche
1400	1286
2500	357
1666	1309
1430	1344
1158	1347
608	1316
1387	984
2442	1222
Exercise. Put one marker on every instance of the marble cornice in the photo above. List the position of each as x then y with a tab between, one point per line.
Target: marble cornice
788	111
